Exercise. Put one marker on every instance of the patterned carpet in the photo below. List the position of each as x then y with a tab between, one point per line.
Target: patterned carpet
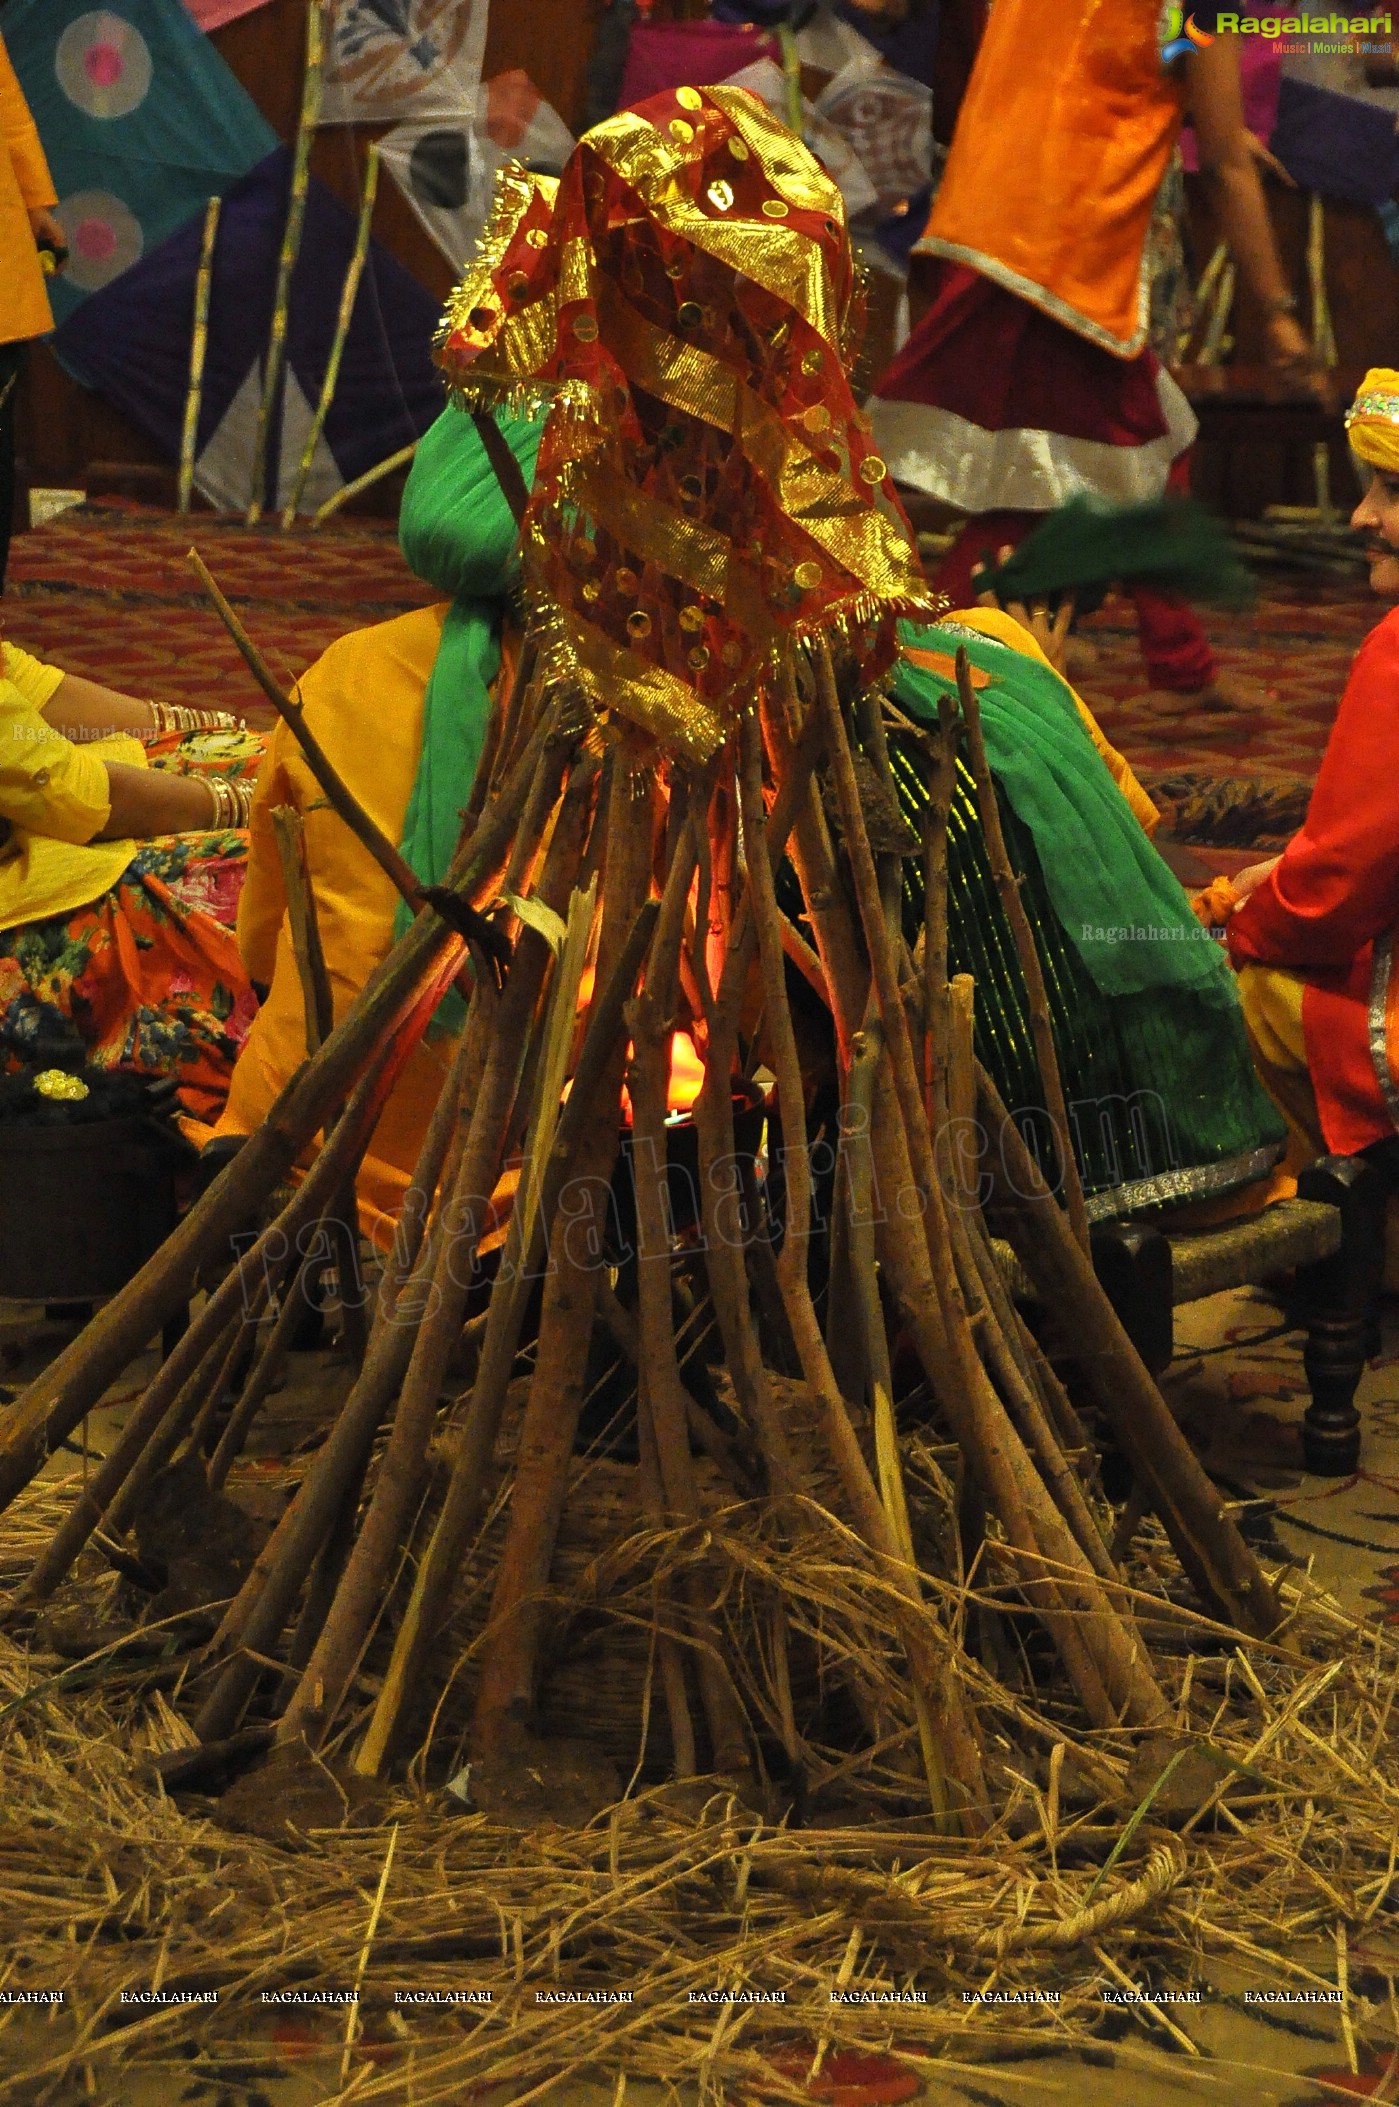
1236	779
104	591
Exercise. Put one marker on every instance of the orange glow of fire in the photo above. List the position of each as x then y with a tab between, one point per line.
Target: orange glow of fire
686	1068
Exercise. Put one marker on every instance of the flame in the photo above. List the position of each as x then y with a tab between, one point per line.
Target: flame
686	1068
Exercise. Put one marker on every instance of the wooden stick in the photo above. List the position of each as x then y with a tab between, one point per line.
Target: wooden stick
956	1777
662	1391
312	87
521	1264
1104	1661
1206	1541
1008	889
370	836
417	968
403	1467
271	1253
198	351
935	819
349	293
510	1646
317	1003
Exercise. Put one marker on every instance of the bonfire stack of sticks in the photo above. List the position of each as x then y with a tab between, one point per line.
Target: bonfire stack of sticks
601	899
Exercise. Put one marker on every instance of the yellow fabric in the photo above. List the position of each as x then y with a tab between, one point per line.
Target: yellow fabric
36	682
364	702
1004	629
1064	135
1372	421
55	795
25	187
1272	1006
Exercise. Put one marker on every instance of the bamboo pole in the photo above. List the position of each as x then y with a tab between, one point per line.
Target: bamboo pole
1008	890
348	295
312	87
198	352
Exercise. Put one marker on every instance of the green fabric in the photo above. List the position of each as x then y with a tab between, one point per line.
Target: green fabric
1127	916
1149	1034
457	531
1086	546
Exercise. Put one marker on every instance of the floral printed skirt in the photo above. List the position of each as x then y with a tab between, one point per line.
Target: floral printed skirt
147	977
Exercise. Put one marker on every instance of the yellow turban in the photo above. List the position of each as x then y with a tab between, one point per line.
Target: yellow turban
1372	421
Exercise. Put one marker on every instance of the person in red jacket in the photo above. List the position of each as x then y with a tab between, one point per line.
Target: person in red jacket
27	224
1312	932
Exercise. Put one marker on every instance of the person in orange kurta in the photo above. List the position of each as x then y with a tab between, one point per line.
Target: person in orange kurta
27	199
1312	933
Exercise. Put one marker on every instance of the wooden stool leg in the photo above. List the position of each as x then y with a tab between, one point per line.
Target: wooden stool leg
1340	1295
1133	1265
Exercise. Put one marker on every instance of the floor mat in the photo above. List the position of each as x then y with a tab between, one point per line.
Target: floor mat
104	591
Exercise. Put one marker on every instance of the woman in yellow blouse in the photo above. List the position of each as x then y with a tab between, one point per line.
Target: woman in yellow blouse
123	846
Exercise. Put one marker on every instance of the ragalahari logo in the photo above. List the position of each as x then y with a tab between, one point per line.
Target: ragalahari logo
1182	36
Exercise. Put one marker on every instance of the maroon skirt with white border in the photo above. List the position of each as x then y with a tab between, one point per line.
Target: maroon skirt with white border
992	406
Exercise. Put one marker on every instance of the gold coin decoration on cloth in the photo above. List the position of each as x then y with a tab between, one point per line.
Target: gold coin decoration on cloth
58	1084
689	98
697	659
732	654
519	284
807	575
537	238
626	582
691	314
692	488
692	618
774	208
739	149
681	132
812	362
638	623
584	328
675	268
873	469
816	418
590	591
720	195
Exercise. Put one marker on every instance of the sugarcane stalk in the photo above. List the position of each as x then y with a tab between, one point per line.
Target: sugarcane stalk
1008	891
258	1383
1209	1546
312	87
400	458
349	293
198	352
669	1651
